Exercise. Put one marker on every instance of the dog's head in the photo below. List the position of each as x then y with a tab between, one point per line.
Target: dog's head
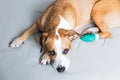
56	47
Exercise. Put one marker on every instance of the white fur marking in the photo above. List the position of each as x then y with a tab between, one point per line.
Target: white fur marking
60	58
63	24
16	43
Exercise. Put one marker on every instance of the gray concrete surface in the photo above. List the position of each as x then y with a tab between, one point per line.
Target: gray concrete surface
99	60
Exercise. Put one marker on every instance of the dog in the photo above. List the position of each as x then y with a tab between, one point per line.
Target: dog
60	21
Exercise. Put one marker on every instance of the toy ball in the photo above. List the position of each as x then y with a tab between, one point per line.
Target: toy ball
90	37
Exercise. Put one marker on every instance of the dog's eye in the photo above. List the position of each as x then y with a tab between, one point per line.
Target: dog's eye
65	51
52	52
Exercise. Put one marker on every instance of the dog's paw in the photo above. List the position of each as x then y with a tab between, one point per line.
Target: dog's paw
105	35
45	59
91	31
16	43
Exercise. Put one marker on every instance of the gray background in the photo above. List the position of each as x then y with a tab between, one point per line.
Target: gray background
99	60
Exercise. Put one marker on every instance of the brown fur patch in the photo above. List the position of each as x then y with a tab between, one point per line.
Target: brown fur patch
57	37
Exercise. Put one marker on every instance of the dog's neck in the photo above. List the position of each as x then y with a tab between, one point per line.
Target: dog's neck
76	13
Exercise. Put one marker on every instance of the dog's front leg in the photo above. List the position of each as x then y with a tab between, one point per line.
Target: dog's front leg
18	41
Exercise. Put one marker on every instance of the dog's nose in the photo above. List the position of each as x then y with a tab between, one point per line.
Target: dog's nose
61	69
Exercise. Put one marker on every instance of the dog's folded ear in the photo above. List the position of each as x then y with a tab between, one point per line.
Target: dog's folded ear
70	34
42	40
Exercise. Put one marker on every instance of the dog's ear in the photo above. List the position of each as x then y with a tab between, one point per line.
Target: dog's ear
70	34
42	40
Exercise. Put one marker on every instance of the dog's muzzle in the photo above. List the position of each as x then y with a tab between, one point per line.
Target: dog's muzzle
61	63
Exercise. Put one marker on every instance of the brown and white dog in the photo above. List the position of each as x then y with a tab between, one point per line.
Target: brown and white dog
60	21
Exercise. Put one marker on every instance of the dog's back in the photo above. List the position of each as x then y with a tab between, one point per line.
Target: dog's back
76	12
108	11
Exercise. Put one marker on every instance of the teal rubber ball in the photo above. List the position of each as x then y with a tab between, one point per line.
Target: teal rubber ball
90	37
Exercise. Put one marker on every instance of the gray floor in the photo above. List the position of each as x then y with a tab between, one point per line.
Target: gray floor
99	60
